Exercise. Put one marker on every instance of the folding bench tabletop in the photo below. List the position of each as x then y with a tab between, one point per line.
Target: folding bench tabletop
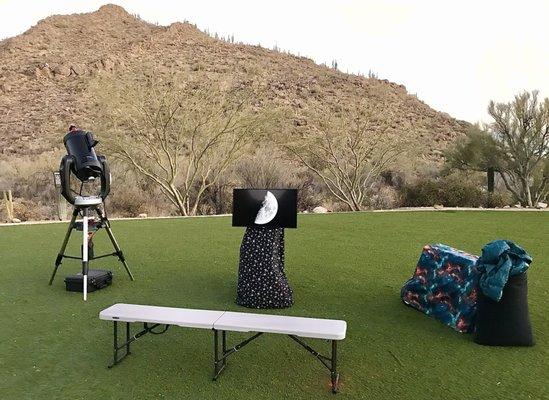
161	315
299	326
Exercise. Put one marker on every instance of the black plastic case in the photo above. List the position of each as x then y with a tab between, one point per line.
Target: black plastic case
97	279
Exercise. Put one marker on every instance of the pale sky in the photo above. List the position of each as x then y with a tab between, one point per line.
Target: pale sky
455	55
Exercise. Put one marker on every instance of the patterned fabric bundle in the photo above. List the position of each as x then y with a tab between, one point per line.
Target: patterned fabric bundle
262	282
444	286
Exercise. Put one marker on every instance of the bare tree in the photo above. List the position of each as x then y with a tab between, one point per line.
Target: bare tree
349	152
521	129
179	135
516	145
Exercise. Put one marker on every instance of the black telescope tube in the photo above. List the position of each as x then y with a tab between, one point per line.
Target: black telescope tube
80	145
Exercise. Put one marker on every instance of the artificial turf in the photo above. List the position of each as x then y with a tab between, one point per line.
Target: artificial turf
341	266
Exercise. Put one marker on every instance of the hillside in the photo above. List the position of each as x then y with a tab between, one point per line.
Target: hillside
49	77
45	71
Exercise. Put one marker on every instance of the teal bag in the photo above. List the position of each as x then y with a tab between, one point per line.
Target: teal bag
500	259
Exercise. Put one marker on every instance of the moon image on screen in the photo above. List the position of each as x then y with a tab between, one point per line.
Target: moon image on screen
268	209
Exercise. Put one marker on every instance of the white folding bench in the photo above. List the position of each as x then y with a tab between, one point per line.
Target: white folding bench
226	321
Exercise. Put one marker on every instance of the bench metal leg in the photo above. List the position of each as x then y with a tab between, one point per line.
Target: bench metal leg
116	348
115	345
328	362
220	359
219	362
224	346
333	369
221	355
129	339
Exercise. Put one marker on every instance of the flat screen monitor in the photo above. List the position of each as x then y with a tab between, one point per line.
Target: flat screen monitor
272	208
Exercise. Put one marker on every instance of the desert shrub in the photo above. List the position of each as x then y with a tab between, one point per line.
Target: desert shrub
393	178
198	66
132	195
127	202
268	169
31	177
265	169
449	191
424	192
313	193
385	197
458	191
28	210
31	181
218	198
497	200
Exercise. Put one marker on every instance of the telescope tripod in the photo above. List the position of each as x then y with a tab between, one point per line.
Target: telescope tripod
83	205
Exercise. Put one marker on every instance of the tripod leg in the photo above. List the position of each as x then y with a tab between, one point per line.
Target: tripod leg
85	253
64	245
114	242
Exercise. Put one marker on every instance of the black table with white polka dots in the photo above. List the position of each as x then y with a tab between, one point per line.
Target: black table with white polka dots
262	282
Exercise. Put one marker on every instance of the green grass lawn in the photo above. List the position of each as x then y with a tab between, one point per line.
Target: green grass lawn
341	266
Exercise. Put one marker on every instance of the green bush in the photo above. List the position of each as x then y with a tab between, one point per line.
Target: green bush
449	191
497	200
425	192
127	203
384	198
457	191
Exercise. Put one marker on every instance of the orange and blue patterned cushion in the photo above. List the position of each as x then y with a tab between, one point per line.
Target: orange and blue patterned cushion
444	286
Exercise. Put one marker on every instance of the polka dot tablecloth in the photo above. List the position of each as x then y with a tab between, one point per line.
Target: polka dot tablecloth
262	282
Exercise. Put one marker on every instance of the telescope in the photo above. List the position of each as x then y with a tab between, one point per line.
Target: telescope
82	161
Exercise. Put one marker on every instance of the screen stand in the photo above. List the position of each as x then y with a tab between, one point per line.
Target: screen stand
262	282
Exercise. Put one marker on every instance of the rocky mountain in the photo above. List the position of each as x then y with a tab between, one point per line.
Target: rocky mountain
44	74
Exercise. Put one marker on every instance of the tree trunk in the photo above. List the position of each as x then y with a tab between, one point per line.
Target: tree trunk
526	191
516	193
178	200
490	178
